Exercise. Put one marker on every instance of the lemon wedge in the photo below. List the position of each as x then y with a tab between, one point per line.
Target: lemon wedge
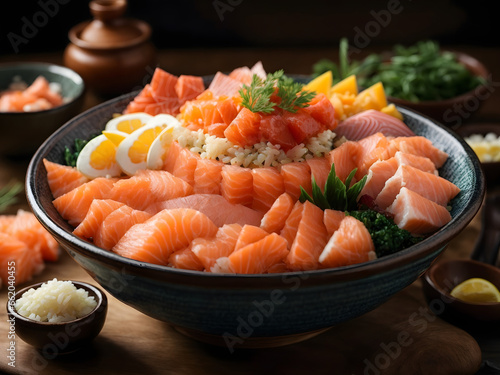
128	123
98	157
476	290
132	152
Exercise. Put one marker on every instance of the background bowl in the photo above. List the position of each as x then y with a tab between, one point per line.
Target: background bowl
449	111
254	310
23	132
61	338
490	169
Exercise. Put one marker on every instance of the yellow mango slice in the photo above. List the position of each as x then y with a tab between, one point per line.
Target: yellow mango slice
321	84
392	110
348	85
371	98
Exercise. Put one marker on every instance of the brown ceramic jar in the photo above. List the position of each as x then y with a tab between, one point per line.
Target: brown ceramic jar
110	52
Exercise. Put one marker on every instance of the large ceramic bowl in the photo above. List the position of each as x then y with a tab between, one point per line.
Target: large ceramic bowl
254	310
23	132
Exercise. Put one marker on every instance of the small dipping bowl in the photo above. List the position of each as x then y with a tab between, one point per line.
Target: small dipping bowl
443	276
53	339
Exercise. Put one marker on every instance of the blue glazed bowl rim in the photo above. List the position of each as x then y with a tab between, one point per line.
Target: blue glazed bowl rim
426	247
53	68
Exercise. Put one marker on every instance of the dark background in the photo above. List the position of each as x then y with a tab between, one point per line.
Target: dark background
272	24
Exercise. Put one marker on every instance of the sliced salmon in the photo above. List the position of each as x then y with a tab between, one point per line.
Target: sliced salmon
249	234
97	212
274	129
420	146
242	74
237	185
16	256
147	187
173	154
207	176
345	158
320	168
215	206
372	148
188	87
116	224
268	185
369	122
73	206
430	186
185	259
166	232
275	218
417	214
332	220
208	250
302	125
244	130
321	109
62	178
185	165
223	85
309	241
228	109
350	244
296	175
289	231
259	256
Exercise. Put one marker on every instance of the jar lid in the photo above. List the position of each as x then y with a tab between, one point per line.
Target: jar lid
109	29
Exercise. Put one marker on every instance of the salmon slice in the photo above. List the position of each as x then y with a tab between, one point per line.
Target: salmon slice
217	129
302	125
188	87
147	187
210	115
430	186
62	178
185	165
116	224
173	154
332	220
369	122
244	130
166	232
40	88
25	227
420	146
289	231
350	244
417	214
268	185
259	256
73	206
280	267
345	158
249	234
320	168
208	250
295	175
372	149
309	241
382	170
97	212
275	218
242	74
14	252
215	206
185	259
207	176
228	110
237	185
223	85
321	109
259	70
275	129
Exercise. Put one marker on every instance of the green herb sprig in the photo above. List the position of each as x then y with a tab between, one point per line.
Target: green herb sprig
257	96
8	194
336	194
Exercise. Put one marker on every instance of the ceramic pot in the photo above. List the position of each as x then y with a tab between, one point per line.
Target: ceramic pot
110	52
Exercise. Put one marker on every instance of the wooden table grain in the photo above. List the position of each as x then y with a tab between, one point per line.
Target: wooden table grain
400	337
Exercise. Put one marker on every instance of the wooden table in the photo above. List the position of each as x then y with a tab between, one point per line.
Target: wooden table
356	347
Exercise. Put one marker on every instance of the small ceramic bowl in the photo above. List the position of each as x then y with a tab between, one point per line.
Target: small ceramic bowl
490	169
53	339
443	276
450	112
23	132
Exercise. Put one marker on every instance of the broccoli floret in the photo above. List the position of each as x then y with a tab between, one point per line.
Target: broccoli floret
387	237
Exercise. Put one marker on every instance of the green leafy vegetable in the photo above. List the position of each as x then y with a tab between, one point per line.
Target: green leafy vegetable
387	237
257	96
8	194
71	153
335	195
